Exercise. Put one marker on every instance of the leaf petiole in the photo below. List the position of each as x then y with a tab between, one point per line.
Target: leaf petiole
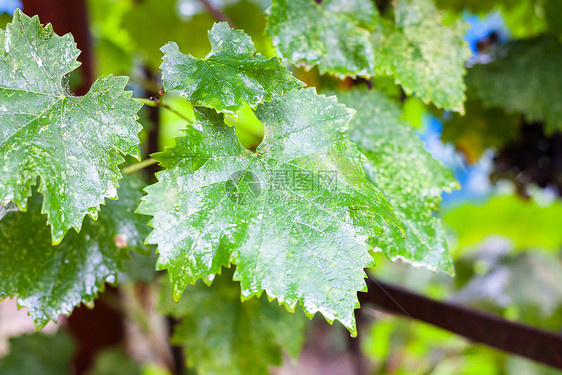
138	166
160	104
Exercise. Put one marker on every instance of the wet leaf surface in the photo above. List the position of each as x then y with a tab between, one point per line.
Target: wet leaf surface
72	144
408	176
51	280
232	73
293	216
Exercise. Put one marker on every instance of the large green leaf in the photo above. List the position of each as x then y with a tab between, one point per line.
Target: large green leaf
222	335
352	39
333	34
38	354
293	216
525	78
407	175
72	144
425	56
528	224
51	280
232	73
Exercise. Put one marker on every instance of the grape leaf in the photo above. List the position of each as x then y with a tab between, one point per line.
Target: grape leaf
232	73
51	280
293	216
72	144
350	38
524	78
333	34
249	336
115	361
425	57
38	354
407	175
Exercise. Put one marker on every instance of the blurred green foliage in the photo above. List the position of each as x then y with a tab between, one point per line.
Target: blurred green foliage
527	224
38	354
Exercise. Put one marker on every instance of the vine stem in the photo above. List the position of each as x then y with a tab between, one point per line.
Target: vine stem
217	13
160	104
138	166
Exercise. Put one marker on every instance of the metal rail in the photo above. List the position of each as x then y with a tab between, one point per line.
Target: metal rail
511	337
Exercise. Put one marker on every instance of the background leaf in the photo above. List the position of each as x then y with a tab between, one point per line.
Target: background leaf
527	224
38	354
52	280
222	335
333	34
407	175
537	96
72	144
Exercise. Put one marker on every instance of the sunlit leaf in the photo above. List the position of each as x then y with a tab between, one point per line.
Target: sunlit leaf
293	216
424	56
332	34
232	73
72	144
